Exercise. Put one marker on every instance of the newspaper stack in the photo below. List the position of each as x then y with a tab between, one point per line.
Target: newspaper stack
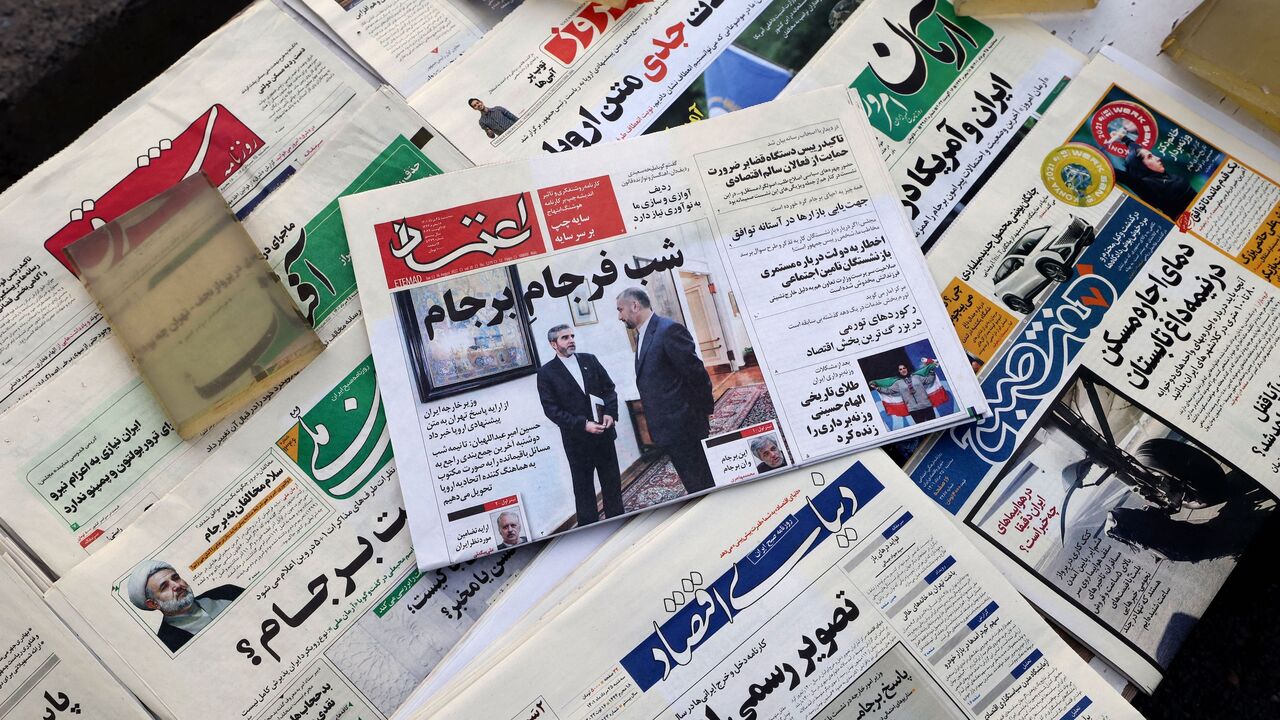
1091	330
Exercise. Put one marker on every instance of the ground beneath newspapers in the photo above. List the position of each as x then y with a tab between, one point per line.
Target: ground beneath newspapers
64	63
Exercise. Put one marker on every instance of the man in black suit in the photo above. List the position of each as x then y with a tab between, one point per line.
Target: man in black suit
674	388
566	387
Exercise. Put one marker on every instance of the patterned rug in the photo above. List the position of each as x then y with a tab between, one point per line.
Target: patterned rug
658	482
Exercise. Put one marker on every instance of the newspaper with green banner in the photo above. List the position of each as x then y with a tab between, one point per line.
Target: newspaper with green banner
112	451
278	577
948	96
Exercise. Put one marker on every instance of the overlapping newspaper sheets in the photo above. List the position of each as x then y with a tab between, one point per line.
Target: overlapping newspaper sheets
46	672
710	244
1115	281
278	577
92	448
948	96
827	592
247	107
408	41
561	75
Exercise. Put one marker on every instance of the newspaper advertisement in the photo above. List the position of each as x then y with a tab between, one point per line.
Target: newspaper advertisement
281	566
602	74
299	227
247	107
828	592
112	451
1115	285
948	96
613	316
409	41
44	670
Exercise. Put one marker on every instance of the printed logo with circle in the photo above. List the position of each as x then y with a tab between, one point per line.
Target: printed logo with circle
1078	175
1117	126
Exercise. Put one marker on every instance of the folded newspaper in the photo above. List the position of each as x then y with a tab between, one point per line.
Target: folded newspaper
88	451
830	592
279	577
562	74
409	41
1116	283
944	120
246	107
490	298
44	670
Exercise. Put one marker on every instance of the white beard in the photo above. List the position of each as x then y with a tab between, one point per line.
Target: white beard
177	607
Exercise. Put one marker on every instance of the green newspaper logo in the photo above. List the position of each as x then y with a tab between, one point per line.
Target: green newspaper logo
318	266
918	62
342	442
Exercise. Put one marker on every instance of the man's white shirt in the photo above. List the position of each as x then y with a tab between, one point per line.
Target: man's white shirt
640	334
571	364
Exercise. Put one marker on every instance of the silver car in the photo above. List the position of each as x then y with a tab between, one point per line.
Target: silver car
1034	261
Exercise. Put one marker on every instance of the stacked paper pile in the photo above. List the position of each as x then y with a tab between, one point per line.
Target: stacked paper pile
963	330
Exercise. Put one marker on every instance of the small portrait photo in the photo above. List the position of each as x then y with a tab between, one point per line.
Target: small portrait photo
494	120
908	385
767	451
181	611
509	527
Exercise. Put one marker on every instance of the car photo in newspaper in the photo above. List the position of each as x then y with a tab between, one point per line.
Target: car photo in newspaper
1114	286
612	319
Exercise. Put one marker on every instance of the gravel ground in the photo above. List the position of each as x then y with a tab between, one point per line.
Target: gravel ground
63	63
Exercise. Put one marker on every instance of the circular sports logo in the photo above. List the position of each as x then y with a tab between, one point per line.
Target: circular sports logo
1119	125
1078	174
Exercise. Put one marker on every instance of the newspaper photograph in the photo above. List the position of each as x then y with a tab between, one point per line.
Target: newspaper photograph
833	591
944	119
607	73
409	41
246	108
609	317
283	567
1114	286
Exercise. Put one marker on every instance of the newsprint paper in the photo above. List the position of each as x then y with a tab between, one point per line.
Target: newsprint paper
278	578
44	670
614	314
830	592
944	119
1116	284
247	107
408	41
563	74
84	454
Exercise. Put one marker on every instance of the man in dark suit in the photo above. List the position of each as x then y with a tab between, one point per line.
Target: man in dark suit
674	388
567	385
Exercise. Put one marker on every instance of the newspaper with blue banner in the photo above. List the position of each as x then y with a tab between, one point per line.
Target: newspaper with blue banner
834	592
1114	286
661	318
